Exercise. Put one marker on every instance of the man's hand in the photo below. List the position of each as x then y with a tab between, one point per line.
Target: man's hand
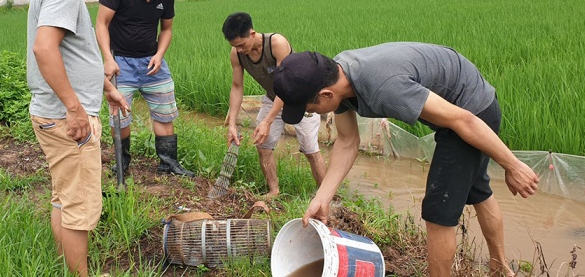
78	127
116	100
520	178
261	132
154	64
233	136
318	209
111	68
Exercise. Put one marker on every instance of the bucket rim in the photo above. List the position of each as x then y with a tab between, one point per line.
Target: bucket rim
330	253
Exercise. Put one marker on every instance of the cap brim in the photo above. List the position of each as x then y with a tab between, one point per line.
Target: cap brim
293	114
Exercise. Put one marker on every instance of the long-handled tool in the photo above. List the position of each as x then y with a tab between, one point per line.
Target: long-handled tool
220	188
118	142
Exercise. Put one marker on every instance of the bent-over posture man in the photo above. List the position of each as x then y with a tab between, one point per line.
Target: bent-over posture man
412	81
130	29
65	75
259	54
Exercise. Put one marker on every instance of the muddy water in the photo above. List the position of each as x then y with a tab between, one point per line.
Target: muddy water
314	269
556	223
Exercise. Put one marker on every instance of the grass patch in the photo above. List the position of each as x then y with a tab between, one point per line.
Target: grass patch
8	182
26	239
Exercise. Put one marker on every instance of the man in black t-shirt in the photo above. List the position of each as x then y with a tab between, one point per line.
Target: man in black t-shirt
129	28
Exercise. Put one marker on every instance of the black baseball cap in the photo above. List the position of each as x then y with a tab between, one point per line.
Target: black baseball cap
297	80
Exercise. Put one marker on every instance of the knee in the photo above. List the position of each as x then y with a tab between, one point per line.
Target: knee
314	157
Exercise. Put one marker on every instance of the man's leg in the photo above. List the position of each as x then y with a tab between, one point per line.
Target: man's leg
441	247
308	136
166	149
124	132
266	149
56	228
163	128
318	167
72	244
78	190
159	93
492	226
268	165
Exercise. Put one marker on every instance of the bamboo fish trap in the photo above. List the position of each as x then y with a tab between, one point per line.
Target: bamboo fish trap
220	188
212	242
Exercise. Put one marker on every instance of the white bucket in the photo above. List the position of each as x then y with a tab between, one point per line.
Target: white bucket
343	254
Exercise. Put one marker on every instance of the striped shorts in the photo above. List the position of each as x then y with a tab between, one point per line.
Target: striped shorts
158	90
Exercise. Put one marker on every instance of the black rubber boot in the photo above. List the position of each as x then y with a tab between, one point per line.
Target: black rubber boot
125	155
166	149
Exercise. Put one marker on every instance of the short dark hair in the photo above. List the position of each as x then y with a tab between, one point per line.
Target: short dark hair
331	72
237	25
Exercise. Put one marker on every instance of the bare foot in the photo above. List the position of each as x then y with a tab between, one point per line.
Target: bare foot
503	271
269	196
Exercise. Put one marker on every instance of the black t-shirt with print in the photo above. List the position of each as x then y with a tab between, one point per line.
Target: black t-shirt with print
134	28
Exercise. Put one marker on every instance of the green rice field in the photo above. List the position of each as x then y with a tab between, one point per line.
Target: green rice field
530	50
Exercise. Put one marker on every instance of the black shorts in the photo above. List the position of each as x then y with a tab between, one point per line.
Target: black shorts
458	173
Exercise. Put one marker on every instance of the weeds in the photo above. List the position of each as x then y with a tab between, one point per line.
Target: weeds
9	182
14	93
26	241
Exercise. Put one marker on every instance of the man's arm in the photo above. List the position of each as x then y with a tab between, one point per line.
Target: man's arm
519	177
164	41
52	68
342	157
103	19
236	96
280	49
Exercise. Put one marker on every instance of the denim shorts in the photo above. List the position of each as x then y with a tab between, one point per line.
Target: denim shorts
458	173
158	90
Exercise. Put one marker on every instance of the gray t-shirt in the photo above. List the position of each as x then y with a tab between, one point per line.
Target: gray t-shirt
393	80
80	52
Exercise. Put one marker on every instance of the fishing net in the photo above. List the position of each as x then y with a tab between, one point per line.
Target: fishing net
560	174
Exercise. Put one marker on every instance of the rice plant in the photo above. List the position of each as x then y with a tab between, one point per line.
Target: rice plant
529	50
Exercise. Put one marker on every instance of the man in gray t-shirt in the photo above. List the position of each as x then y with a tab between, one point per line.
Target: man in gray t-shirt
413	82
66	78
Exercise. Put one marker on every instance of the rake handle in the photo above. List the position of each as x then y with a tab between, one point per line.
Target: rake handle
118	142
